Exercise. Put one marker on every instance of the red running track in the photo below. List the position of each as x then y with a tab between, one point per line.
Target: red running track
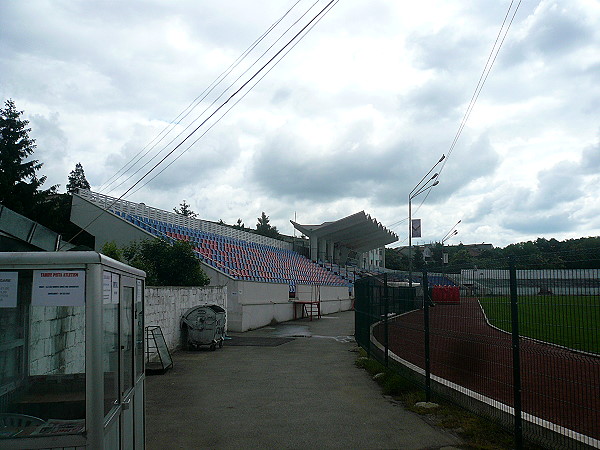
558	385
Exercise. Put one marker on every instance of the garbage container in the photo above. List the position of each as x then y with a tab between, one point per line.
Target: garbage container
203	325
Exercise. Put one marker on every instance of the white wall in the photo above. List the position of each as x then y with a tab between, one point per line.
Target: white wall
56	340
165	305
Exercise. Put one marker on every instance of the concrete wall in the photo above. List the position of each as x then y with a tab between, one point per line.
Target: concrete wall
253	304
165	305
56	340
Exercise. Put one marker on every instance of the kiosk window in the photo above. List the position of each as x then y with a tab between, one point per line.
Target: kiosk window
127	338
110	347
42	354
139	329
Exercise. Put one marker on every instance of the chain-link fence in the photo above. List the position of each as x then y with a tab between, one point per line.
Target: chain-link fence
518	345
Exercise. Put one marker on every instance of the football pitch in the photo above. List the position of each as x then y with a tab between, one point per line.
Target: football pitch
569	321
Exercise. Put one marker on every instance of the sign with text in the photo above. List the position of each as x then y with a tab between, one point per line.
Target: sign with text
58	288
115	288
8	289
106	287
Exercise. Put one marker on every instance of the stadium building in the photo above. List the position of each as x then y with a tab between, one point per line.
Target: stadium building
267	279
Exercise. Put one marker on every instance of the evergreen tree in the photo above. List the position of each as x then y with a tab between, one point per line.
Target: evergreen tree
19	184
264	228
77	180
185	210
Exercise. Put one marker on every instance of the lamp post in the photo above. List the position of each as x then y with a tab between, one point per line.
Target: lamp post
453	232
421	187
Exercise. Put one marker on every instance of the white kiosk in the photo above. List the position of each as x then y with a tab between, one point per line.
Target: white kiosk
71	352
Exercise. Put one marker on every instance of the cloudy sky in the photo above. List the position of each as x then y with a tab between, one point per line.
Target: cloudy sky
350	119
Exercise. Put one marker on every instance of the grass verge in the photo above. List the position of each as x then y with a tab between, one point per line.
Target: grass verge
477	432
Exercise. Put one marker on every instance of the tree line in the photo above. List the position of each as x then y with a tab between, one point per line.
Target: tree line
541	253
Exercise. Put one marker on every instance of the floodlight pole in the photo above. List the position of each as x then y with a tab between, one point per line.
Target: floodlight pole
418	189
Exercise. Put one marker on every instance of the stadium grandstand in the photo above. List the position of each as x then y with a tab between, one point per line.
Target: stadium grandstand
266	279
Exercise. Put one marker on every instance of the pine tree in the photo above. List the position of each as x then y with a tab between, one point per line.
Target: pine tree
185	211
77	180
264	228
239	225
19	184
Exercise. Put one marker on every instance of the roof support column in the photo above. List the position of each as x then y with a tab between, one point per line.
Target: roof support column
322	249
330	251
314	248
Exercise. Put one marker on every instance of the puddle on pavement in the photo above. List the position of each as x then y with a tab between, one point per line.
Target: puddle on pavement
292	331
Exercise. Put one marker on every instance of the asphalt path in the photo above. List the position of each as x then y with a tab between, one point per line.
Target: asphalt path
292	385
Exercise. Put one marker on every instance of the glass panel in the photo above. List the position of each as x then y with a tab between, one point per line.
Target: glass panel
139	328
42	354
110	348
127	338
12	333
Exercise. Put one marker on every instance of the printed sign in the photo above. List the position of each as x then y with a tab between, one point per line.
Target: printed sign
115	288
106	287
8	289
58	288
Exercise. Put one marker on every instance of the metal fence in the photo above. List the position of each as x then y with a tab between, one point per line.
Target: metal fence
521	347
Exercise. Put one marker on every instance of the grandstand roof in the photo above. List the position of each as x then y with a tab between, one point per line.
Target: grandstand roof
359	232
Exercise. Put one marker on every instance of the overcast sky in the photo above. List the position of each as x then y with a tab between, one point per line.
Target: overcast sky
351	119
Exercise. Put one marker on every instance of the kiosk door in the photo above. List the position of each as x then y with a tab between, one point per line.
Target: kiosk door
127	363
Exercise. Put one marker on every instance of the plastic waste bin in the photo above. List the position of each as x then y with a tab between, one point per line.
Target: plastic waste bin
203	325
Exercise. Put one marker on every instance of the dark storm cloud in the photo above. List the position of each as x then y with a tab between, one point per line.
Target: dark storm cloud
289	167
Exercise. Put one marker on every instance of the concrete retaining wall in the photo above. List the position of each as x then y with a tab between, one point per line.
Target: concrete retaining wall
165	305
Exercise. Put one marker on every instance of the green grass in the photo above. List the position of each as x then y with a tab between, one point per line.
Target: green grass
570	321
477	432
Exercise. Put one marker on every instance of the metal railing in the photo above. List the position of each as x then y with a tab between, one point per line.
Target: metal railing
521	347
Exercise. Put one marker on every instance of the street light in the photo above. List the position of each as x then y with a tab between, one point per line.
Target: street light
453	232
417	190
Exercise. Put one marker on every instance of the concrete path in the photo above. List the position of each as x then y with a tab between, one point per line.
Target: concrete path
305	393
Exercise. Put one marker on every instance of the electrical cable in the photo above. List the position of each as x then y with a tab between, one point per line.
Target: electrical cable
322	12
215	100
232	106
195	102
482	79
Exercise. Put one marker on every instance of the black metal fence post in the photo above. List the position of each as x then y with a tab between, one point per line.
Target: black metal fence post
385	322
514	315
426	301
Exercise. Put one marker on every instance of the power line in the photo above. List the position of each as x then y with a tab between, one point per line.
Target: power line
197	101
482	79
216	99
308	26
233	105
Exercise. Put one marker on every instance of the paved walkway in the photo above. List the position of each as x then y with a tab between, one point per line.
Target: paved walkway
305	393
